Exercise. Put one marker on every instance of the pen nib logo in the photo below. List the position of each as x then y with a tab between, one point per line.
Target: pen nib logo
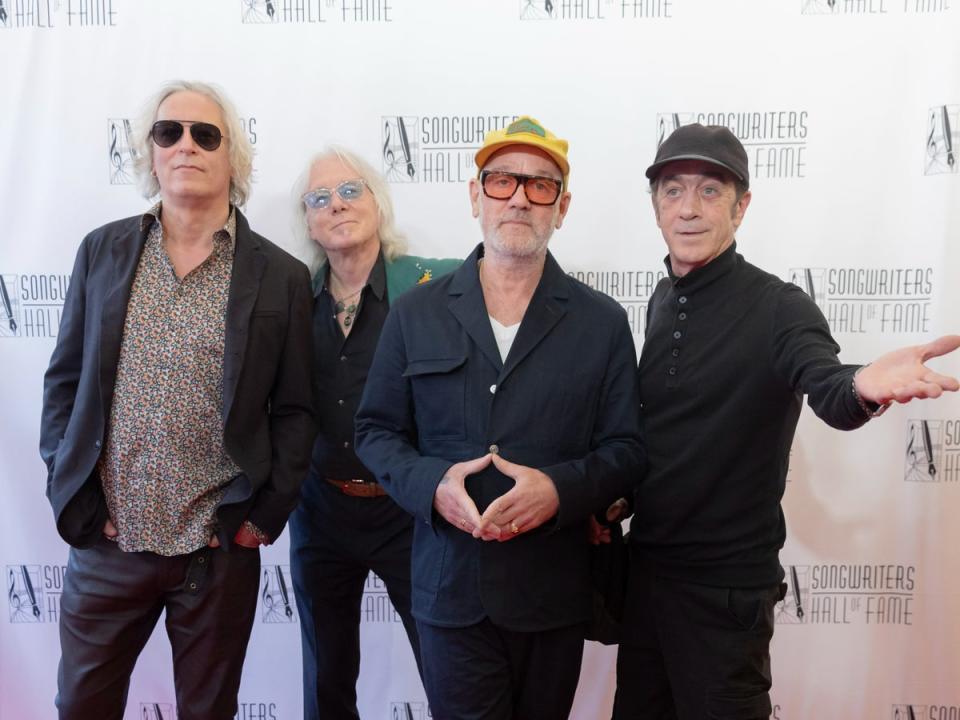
792	610
399	148
24	596
277	603
9	307
922	461
943	135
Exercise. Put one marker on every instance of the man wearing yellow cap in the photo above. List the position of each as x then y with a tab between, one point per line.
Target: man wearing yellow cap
501	410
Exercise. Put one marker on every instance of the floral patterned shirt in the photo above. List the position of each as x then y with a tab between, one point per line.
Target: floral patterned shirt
164	465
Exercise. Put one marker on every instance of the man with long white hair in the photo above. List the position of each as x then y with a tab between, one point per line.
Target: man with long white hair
177	418
346	524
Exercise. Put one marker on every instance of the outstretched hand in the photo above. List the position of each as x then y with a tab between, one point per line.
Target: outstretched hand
901	376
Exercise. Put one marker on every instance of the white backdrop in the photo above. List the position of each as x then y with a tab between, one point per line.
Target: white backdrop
849	110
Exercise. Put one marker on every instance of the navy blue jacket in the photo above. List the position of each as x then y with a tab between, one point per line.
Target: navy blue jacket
566	401
268	412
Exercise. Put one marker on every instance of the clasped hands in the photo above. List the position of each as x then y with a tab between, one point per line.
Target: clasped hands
527	505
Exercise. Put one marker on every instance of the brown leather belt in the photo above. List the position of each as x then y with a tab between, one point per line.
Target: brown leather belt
358	488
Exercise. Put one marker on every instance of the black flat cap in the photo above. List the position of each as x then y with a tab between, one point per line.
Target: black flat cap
711	143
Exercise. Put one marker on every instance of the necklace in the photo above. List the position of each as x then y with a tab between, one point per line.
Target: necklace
350	311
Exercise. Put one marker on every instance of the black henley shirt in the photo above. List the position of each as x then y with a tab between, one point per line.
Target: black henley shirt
730	351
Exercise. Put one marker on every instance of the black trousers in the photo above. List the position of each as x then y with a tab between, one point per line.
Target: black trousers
691	652
485	672
335	541
110	605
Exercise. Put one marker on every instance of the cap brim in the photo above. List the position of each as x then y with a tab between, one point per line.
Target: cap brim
655	169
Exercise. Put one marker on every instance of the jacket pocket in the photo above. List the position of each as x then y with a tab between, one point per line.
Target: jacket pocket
438	387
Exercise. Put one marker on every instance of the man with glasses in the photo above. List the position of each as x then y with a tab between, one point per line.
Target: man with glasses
730	352
177	418
501	411
346	525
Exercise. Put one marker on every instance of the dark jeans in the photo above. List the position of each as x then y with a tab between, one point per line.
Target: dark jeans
485	672
335	541
110	604
691	652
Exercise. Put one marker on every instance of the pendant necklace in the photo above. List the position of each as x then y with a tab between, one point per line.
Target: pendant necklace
350	311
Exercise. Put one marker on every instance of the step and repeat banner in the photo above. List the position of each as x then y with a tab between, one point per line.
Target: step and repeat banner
850	113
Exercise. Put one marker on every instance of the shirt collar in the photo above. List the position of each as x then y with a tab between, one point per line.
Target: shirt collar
700	277
227	233
377	279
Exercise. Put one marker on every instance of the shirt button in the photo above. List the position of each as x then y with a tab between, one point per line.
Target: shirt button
346	443
339	402
97	444
494	449
682	316
675	352
342	358
493	389
677	335
682	300
672	371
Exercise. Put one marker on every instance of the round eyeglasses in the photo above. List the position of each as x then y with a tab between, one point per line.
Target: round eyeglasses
348	190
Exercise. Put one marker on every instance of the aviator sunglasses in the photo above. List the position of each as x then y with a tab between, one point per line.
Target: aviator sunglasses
501	185
166	133
348	190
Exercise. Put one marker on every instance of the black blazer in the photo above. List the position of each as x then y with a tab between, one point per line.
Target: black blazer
566	401
268	411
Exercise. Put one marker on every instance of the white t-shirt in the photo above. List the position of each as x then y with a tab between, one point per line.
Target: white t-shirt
504	336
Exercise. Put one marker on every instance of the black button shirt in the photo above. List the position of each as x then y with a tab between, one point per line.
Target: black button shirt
341	366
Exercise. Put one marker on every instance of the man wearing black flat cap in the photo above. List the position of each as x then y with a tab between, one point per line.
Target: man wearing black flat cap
730	352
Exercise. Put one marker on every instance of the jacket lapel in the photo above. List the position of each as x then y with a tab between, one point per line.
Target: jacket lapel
126	251
547	307
470	310
249	264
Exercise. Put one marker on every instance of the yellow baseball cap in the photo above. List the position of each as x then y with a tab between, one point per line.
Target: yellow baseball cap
525	130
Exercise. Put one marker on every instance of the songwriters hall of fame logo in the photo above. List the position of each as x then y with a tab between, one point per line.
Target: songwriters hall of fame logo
24	594
434	148
631	288
840	594
400	149
122	152
594	9
932	451
50	14
265	12
31	304
33	592
11	319
862	300
790	610
943	140
276	595
275	12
